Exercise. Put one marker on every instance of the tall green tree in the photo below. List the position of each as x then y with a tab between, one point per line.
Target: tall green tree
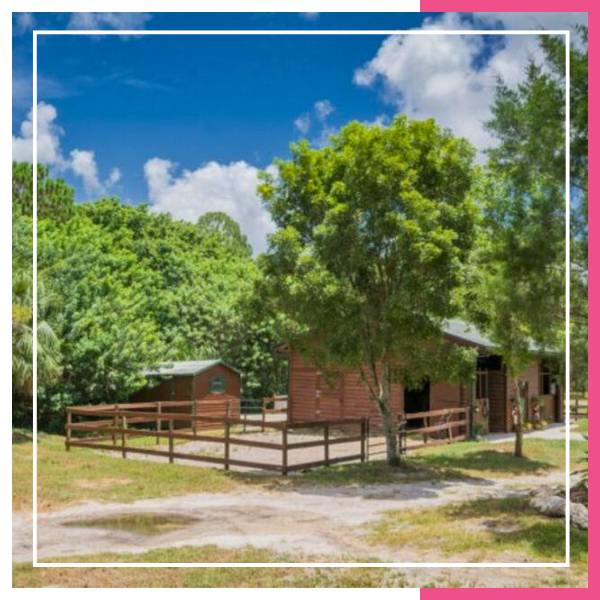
373	232
517	292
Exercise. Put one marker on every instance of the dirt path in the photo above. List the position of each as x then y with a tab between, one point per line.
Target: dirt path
324	521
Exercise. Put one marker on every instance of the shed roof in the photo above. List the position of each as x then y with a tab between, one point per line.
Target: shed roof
188	367
467	332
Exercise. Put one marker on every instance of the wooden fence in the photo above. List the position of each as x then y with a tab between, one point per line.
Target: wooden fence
109	427
578	408
443	426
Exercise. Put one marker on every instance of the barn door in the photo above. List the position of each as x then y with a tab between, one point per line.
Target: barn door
328	399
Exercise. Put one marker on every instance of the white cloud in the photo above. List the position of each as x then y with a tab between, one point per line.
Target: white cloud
450	77
114	177
108	20
320	113
81	163
323	108
48	146
310	16
228	188
302	123
23	22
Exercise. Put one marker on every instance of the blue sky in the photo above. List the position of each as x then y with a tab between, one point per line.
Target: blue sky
185	122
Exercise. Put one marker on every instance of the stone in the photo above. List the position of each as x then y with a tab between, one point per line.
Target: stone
551	506
579	515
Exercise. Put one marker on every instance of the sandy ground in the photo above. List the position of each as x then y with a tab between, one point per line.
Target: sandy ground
322	521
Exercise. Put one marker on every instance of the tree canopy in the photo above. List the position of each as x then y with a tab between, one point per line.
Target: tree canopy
373	233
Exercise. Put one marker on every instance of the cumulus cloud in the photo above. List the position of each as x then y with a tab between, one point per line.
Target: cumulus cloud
452	78
108	20
81	163
48	140
228	188
310	16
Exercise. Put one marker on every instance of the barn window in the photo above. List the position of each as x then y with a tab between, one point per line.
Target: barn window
217	384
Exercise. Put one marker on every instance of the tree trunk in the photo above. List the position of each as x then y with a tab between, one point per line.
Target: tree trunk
390	430
518	420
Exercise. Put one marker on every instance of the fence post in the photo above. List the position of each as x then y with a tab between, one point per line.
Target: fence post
115	427
195	415
158	421
171	440
123	435
363	433
326	440
264	415
402	433
69	422
227	432
284	450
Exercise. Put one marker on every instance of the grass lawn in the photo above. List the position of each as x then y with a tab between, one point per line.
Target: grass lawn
82	474
24	575
486	530
582	426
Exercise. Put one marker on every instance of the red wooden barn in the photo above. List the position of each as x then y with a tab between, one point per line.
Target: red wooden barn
312	397
213	383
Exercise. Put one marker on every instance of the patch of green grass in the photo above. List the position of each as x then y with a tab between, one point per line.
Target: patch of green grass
82	474
582	426
485	530
24	575
483	459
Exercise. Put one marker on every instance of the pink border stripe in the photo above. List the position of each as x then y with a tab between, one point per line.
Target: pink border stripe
594	251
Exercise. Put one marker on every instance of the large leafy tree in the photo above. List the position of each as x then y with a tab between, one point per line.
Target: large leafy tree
517	293
373	232
138	289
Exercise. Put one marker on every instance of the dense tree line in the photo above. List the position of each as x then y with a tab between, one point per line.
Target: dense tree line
121	289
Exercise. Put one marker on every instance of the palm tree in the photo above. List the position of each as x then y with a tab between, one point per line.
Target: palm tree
48	346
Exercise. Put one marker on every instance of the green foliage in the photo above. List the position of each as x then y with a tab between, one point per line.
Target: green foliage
55	197
373	233
140	289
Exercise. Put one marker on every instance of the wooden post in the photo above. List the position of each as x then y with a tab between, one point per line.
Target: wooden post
195	415
69	422
284	450
158	421
264	415
227	431
115	426
123	435
363	434
171	440
326	444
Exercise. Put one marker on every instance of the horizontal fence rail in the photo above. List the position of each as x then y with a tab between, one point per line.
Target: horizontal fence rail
438	427
112	427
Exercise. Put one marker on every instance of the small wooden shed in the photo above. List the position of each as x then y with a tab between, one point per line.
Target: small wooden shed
213	383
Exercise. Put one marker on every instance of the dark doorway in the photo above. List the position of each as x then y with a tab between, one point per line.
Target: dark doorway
416	400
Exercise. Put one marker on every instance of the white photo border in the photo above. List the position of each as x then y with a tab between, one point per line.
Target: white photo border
566	33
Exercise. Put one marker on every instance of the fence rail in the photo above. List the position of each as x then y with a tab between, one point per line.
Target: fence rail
110	427
440	432
578	408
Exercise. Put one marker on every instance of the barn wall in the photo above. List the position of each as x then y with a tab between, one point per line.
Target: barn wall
444	395
202	383
345	397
